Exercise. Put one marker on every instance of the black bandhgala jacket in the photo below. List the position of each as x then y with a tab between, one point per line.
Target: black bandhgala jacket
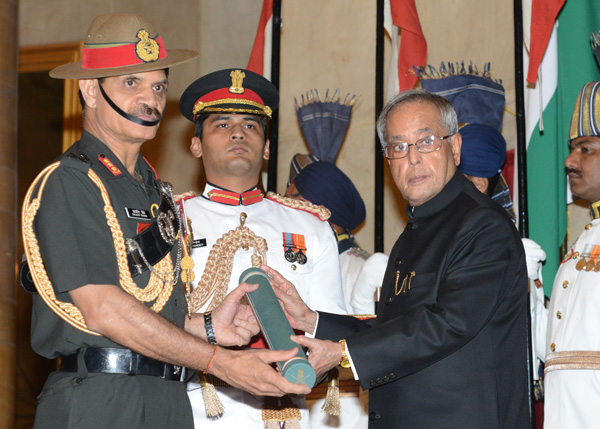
448	348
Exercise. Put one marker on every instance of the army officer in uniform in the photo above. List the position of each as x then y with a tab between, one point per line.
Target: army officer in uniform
104	245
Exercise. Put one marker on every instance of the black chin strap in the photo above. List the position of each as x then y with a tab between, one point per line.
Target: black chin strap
132	118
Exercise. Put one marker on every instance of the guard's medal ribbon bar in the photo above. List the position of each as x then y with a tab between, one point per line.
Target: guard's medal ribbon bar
276	329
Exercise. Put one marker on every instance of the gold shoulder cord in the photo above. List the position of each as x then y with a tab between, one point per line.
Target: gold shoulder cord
320	211
217	273
157	289
215	279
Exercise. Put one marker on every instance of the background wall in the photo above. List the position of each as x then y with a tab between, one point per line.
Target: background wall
325	45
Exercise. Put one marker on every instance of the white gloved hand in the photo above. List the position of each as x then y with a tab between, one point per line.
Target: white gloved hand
534	256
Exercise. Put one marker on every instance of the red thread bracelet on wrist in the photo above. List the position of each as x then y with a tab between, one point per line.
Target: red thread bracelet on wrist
211	359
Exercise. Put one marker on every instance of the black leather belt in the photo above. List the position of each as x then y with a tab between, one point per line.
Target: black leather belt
123	361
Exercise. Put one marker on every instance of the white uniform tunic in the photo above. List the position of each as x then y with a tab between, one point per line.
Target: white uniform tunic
318	281
572	397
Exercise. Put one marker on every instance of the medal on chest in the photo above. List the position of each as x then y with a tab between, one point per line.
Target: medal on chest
589	258
294	246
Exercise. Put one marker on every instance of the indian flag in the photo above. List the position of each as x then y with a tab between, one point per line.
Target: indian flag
567	63
401	19
260	57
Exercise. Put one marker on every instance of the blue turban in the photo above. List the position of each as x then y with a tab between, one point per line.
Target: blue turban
324	184
477	99
483	150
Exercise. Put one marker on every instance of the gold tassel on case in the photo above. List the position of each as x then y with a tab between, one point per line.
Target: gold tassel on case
213	405
332	405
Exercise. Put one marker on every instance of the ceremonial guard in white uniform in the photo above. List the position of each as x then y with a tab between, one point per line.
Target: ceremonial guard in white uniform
236	226
572	373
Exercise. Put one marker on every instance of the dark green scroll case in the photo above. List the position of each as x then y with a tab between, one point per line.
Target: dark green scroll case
275	327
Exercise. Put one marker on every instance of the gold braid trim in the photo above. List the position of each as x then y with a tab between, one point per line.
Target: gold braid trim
575	359
217	273
183	196
277	410
156	288
320	211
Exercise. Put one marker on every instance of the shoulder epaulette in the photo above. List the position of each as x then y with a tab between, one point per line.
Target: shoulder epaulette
184	196
306	206
360	252
77	161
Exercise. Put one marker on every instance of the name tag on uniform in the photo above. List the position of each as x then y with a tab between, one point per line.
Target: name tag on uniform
138	214
201	242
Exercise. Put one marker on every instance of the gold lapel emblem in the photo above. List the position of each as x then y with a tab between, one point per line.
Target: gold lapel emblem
405	283
237	78
147	48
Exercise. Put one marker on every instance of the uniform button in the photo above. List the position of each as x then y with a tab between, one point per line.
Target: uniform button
398	262
575	255
565	284
386	379
388	300
559	315
379	381
372	383
294	267
393	376
78	380
553	347
409	227
374	416
588	226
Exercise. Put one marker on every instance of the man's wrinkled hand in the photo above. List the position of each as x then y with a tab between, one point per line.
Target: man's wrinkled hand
298	313
323	354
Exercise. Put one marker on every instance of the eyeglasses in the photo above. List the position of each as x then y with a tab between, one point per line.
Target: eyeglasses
424	145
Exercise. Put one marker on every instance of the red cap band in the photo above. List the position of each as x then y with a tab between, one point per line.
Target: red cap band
116	56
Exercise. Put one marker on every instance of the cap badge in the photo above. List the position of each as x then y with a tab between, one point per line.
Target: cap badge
237	78
147	48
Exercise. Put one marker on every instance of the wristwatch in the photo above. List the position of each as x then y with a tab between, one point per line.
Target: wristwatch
344	362
210	329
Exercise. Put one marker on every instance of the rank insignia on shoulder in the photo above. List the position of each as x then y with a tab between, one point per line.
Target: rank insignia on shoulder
80	157
294	248
109	165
